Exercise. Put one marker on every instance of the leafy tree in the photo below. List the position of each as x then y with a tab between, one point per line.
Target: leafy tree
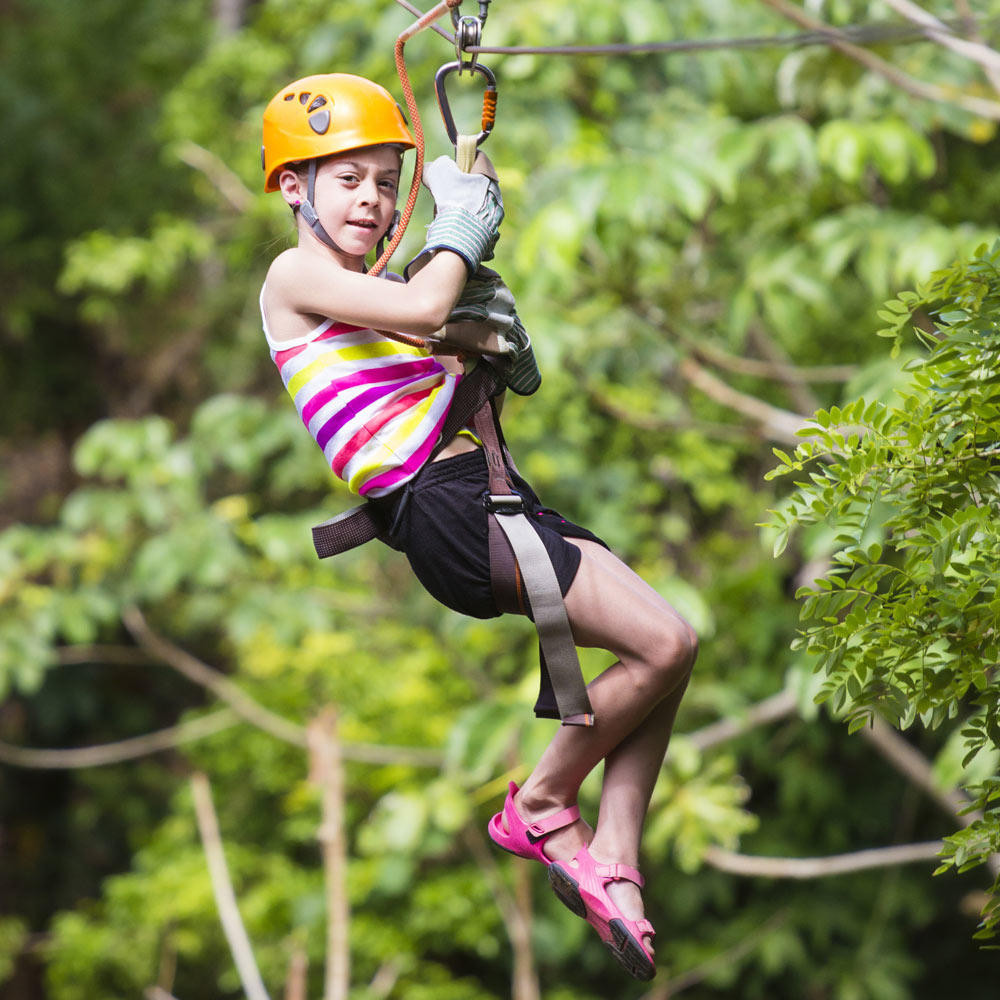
904	623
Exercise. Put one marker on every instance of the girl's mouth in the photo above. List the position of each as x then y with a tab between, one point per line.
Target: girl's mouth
362	223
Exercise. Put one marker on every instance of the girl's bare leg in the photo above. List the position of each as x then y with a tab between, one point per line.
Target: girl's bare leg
635	702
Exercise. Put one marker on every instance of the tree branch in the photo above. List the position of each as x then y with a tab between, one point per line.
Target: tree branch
822	867
778	706
296	985
652	424
326	771
779	371
115	753
775	423
776	369
801	392
917	769
941	33
905	82
515	910
969	27
127	656
200	673
902	755
71	758
726	958
372	753
227	183
385	979
222	887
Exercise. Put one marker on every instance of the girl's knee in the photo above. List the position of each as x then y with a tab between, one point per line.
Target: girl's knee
692	645
671	655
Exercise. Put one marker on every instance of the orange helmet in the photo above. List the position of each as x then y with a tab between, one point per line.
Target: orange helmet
324	114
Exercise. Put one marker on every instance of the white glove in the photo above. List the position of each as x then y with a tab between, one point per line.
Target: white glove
469	212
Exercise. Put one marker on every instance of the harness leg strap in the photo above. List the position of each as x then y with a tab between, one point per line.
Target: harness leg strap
551	621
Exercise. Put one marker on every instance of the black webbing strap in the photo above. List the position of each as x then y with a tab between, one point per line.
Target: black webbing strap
348	530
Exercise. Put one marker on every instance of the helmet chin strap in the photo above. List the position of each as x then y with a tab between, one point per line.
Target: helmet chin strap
309	213
312	219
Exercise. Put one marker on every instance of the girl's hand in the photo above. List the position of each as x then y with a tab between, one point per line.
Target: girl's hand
469	210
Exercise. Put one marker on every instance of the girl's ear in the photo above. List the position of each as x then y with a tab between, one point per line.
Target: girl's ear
292	187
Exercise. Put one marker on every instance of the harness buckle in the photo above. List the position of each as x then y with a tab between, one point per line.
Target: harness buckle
504	503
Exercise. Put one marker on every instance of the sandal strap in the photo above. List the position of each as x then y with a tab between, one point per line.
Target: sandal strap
543	827
540	828
613	873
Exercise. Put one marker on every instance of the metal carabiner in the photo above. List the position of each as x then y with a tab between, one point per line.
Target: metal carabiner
489	98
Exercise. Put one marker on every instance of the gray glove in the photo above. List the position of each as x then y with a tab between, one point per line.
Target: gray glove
469	210
486	299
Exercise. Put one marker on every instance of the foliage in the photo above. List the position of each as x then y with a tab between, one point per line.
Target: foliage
905	622
662	212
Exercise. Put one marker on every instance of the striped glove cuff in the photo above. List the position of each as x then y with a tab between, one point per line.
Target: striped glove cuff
463	233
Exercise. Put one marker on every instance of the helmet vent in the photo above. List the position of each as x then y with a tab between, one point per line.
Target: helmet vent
289	97
304	97
319	122
318	101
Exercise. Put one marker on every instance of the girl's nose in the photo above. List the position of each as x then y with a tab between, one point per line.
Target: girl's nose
368	192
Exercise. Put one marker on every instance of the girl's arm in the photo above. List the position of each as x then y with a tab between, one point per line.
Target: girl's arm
302	283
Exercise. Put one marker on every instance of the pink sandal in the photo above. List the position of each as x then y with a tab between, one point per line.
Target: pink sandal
580	884
526	840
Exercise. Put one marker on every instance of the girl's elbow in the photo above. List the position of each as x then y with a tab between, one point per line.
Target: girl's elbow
430	319
421	328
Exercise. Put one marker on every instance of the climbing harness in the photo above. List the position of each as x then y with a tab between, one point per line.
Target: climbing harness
519	561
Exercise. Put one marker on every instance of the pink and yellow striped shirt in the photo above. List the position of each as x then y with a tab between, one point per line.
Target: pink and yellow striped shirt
374	406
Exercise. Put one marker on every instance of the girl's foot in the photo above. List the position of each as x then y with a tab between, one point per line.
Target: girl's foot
539	834
627	896
564	842
599	893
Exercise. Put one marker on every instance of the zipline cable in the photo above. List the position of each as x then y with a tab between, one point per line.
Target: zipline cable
865	34
858	34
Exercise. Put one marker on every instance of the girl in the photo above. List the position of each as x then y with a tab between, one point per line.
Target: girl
333	147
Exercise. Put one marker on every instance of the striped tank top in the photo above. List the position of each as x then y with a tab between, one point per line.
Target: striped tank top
374	406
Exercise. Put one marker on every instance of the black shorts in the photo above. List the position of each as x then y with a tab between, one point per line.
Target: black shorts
439	521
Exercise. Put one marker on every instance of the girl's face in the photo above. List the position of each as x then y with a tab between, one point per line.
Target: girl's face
356	196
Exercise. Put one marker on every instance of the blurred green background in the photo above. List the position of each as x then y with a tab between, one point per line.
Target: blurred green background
699	244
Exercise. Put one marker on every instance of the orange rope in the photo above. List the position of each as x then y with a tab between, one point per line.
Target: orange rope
418	137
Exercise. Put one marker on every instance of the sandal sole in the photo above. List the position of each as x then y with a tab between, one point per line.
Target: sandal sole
567	889
630	954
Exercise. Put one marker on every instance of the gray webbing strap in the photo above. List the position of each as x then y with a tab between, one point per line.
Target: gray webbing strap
549	612
528	554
